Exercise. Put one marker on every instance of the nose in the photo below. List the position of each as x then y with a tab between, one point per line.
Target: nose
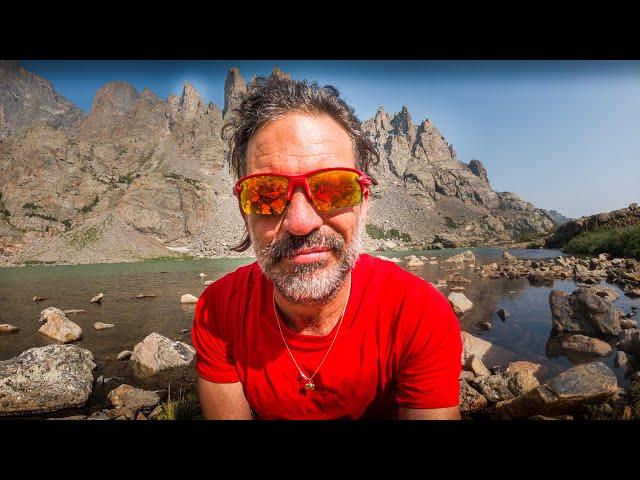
300	216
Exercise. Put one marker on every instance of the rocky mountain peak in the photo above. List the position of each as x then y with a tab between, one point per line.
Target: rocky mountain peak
114	99
27	99
276	72
234	89
190	101
402	123
382	120
477	168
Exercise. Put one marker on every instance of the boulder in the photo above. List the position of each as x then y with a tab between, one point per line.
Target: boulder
627	324
467	375
503	313
102	326
126	396
584	344
45	379
157	353
460	303
489	353
467	256
572	389
470	399
202	275
522	365
74	310
58	326
188	298
6	328
583	312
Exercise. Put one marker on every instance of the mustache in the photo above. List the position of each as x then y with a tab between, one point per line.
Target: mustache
290	245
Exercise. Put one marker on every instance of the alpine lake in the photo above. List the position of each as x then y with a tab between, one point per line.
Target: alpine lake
526	332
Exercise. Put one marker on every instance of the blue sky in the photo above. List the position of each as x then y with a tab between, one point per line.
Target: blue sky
562	135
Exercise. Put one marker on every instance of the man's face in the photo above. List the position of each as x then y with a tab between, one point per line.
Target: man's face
307	254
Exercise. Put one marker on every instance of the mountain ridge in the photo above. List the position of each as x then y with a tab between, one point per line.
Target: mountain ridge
160	168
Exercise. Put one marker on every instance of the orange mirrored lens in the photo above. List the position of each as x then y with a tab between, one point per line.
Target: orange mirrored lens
264	195
335	189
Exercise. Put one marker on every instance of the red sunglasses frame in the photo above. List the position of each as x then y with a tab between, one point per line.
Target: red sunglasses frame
300	179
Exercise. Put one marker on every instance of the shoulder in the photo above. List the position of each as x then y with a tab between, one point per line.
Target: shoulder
232	284
395	281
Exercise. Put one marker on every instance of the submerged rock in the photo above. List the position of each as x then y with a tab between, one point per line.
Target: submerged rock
467	256
58	326
124	355
414	262
503	313
158	353
583	312
188	298
45	379
584	384
98	298
6	328
102	326
126	396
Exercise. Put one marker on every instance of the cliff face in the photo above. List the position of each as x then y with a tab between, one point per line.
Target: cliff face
27	99
140	175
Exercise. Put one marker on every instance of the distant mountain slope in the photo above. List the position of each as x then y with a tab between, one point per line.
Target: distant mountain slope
140	176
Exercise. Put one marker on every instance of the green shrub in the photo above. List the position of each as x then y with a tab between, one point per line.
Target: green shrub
31	206
380	233
87	208
450	223
43	216
67	223
619	242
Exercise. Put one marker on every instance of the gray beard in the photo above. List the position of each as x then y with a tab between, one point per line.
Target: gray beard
311	282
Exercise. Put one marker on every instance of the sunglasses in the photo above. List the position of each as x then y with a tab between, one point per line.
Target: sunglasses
328	189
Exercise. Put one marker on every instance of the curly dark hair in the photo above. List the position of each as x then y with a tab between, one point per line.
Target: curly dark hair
269	98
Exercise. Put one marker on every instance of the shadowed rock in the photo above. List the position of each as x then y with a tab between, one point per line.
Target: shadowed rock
584	311
584	384
470	399
126	396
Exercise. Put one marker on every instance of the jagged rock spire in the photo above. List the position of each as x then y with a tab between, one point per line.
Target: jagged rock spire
234	88
477	168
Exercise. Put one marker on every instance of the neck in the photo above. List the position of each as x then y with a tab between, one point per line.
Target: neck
315	318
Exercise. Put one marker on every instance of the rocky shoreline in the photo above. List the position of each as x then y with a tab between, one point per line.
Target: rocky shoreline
58	381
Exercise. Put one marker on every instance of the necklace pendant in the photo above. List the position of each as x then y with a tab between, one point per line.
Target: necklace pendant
310	386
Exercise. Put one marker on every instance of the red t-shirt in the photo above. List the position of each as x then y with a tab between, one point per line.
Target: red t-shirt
399	344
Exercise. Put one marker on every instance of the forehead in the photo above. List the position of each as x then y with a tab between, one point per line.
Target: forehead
299	142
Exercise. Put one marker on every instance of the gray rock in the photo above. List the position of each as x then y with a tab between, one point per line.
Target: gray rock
126	396
503	313
566	393
486	325
45	379
157	353
494	387
467	375
58	326
583	312
489	353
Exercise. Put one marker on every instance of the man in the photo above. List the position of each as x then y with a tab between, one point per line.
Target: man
314	329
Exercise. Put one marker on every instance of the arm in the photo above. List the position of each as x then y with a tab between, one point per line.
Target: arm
449	413
223	401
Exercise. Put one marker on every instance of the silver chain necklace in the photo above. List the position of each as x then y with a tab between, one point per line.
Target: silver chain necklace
309	385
